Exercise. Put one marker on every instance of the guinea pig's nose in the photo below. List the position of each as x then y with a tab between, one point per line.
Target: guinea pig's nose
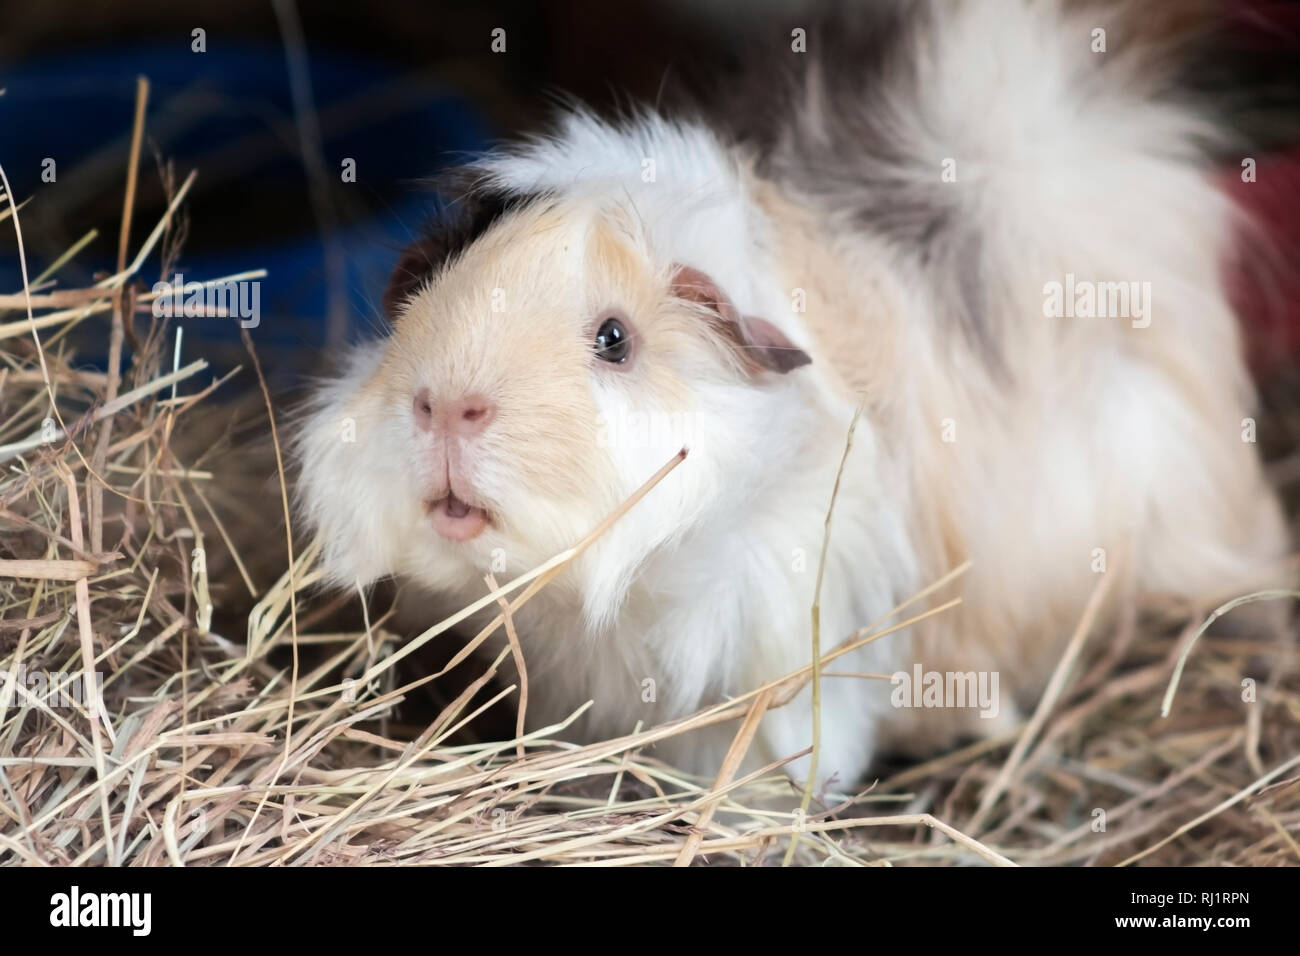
469	415
463	416
422	407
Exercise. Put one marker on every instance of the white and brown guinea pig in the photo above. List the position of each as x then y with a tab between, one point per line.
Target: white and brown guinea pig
915	223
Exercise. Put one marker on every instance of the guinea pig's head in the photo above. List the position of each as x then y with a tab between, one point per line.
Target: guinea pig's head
544	362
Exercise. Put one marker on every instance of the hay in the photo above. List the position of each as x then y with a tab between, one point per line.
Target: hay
279	745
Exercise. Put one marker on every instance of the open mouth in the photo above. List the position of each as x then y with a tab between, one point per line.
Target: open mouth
457	520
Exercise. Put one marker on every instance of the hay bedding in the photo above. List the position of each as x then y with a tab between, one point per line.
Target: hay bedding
237	722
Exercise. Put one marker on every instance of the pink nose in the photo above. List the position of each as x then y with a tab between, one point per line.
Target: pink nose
464	416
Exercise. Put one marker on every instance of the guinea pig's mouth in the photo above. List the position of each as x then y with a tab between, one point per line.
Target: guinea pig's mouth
457	520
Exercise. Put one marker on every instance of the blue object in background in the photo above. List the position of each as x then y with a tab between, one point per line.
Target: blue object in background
228	113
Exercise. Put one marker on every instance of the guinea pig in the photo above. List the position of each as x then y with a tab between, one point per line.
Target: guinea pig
1000	244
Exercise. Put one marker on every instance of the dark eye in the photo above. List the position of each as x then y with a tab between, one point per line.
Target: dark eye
612	341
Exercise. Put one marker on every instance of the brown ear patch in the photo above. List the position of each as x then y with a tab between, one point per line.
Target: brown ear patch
447	236
419	260
758	343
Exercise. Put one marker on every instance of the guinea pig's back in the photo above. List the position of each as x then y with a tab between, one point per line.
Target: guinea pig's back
1025	281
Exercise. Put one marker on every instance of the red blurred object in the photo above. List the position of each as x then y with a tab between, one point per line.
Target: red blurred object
1264	270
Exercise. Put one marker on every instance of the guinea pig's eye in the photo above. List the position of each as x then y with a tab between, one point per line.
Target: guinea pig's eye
612	341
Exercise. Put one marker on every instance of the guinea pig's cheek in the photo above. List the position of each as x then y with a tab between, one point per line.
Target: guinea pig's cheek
635	437
525	525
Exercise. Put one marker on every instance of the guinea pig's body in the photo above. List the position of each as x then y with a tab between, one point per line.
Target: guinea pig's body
926	244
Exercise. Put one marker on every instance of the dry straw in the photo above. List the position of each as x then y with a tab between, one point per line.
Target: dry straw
204	748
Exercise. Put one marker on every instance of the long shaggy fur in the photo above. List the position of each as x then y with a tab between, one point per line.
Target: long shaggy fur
1027	443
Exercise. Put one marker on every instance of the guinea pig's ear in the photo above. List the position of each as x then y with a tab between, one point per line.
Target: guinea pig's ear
759	344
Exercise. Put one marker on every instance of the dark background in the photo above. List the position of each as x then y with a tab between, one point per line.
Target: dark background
402	87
